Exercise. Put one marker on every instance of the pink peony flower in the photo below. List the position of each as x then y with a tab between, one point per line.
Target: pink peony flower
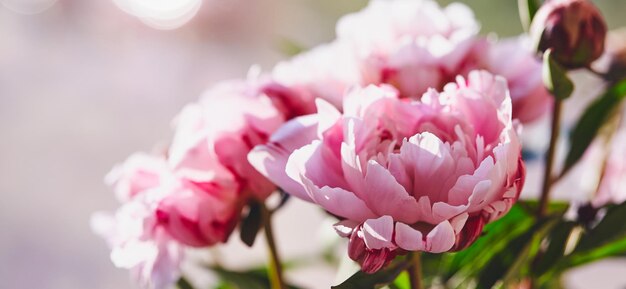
209	158
214	136
140	172
194	196
325	72
414	45
200	215
513	59
137	241
403	175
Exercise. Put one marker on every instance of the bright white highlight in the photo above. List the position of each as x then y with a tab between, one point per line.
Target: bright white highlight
161	14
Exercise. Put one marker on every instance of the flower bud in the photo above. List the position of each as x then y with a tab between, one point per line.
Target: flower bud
574	29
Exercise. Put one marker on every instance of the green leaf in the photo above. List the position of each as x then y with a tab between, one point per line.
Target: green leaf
527	10
592	120
402	281
555	207
509	260
611	228
611	249
251	223
495	238
575	259
253	279
183	284
557	238
383	277
555	77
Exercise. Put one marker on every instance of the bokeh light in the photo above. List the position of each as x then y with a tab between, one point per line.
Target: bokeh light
28	7
161	14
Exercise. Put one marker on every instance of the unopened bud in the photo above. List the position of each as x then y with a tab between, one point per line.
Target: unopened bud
574	29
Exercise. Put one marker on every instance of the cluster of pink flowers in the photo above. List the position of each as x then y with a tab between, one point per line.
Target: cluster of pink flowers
413	46
404	128
191	196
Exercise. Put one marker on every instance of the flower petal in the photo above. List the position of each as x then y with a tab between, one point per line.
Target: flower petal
378	233
408	238
441	238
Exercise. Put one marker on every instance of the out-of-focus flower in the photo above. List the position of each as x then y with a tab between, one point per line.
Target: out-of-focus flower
404	175
140	172
414	45
514	60
200	215
209	156
612	188
138	243
214	136
193	196
574	29
325	72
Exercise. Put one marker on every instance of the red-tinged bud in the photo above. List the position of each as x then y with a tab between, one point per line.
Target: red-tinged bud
574	29
371	260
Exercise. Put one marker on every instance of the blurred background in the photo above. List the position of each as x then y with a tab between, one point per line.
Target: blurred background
85	83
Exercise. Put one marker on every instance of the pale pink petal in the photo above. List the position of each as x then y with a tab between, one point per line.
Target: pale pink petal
408	238
378	233
441	238
271	159
386	197
339	202
345	228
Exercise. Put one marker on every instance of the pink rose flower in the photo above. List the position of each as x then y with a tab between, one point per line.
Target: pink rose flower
403	175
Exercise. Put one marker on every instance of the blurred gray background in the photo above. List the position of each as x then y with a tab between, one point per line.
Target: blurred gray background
83	84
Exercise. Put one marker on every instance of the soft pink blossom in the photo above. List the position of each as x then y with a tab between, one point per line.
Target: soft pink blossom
138	173
513	59
325	72
403	175
200	215
214	136
208	157
138	243
412	44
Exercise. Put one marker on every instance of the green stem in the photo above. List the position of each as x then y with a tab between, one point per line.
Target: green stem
549	159
415	270
275	266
